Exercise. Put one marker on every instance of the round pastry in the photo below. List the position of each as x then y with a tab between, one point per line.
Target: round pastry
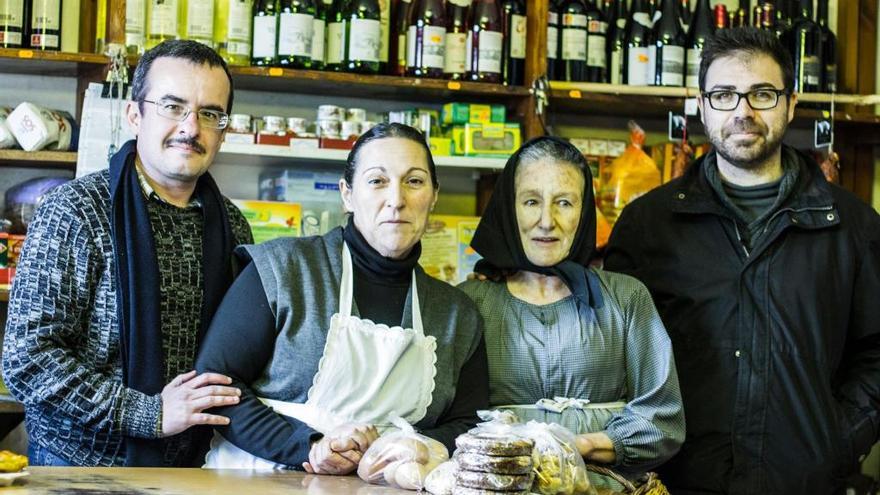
471	461
491	444
492	481
463	490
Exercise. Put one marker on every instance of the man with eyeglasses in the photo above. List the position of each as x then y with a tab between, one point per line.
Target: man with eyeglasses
119	276
767	278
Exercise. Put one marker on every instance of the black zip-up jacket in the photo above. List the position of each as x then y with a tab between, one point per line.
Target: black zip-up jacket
777	349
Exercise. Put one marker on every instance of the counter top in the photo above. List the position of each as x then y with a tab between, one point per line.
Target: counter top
170	481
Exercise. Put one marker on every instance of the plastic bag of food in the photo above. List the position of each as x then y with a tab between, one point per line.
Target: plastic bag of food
441	481
632	174
558	466
402	458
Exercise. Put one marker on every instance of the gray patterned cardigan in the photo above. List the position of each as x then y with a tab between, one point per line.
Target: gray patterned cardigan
61	348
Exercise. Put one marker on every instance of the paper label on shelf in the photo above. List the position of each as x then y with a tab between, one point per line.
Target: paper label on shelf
491	46
200	19
163	18
364	43
456	53
552	41
672	66
639	63
295	34
264	36
694	55
239	27
518	36
616	67
46	14
335	32
574	44
12	14
596	51
318	40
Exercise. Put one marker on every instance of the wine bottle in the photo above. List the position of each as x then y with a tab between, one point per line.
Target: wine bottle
363	34
162	21
829	50
335	36
685	15
233	20
574	41
783	20
597	31
638	40
319	33
616	41
265	29
135	26
485	42
456	38
553	56
197	21
384	35
397	53
296	21
668	48
806	49
721	19
513	58
12	23
45	24
426	39
702	28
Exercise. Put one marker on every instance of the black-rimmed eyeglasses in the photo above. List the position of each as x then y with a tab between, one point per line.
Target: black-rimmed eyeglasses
758	99
213	119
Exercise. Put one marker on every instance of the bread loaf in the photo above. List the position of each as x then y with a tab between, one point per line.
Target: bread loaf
471	461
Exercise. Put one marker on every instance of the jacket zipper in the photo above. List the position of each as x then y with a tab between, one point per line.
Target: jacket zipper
770	220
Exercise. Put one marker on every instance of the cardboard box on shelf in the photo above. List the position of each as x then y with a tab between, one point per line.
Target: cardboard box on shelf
317	192
493	140
473	113
446	251
271	219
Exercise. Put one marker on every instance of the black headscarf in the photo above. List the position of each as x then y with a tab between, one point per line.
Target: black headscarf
138	299
497	237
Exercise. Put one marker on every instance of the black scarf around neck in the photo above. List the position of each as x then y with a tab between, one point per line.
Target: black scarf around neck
138	297
372	263
497	237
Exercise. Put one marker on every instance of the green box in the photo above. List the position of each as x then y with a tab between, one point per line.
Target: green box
473	113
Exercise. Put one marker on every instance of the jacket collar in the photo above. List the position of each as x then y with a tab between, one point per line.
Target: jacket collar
693	193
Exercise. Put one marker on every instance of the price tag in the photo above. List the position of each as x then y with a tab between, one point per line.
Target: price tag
575	93
276	71
25	54
823	134
453	85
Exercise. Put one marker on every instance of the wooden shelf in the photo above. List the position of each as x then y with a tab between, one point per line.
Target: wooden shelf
261	154
4	295
368	86
45	159
50	63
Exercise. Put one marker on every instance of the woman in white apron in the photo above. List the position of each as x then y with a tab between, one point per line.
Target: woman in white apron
329	337
566	343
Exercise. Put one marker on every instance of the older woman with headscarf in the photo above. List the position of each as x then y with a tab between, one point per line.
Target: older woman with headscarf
329	337
567	343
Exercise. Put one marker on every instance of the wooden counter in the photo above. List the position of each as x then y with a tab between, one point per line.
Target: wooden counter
153	481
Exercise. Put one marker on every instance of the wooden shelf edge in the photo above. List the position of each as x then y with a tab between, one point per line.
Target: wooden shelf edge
53	56
4	295
30	157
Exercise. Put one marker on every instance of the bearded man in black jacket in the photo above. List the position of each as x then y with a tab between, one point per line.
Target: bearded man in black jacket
767	278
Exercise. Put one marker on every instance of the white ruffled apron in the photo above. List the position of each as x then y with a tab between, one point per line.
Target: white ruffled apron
368	373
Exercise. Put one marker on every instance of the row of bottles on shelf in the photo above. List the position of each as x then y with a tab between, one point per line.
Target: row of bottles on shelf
30	24
477	40
659	42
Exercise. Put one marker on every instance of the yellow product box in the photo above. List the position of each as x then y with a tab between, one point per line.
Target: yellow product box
499	140
271	219
446	247
440	146
473	113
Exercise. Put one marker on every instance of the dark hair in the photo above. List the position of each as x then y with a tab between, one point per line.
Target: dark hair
393	130
556	149
751	41
192	51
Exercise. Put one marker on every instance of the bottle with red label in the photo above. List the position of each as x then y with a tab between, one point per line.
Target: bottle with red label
485	42
597	30
44	28
12	23
513	59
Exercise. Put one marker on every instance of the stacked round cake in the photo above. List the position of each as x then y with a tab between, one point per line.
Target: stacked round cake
490	463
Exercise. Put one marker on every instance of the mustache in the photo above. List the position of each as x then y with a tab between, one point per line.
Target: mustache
191	142
745	125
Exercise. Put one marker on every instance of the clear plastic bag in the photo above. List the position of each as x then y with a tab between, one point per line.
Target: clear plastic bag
402	458
632	174
441	481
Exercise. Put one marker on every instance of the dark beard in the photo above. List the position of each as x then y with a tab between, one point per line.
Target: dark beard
753	162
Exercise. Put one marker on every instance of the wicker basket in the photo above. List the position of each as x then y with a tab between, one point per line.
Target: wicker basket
649	484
